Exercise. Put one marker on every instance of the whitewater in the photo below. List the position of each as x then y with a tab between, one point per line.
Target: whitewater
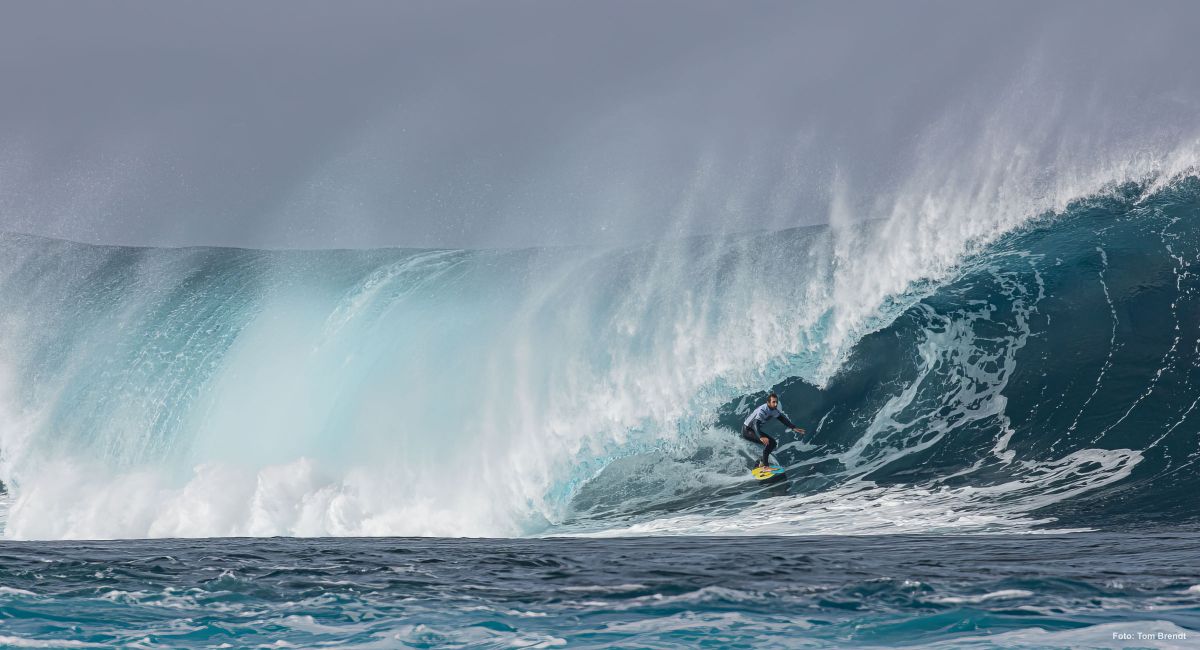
596	390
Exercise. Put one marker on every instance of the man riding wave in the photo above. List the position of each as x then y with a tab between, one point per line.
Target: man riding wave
752	427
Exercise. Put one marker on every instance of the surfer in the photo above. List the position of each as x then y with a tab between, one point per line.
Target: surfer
752	427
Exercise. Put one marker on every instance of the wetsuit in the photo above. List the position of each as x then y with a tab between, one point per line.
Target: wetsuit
752	428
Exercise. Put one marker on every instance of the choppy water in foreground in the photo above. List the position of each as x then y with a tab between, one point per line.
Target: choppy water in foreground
769	592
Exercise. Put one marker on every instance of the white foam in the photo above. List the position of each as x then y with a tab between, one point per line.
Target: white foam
1096	636
20	642
858	507
1003	594
223	500
17	592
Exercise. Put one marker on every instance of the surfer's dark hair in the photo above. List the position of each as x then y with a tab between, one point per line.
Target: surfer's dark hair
772	395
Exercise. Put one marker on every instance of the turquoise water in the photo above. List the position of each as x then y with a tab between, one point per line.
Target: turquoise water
767	592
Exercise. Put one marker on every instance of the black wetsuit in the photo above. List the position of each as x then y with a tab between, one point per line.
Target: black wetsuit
752	428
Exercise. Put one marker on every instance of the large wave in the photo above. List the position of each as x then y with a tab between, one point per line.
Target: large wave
1028	364
1050	382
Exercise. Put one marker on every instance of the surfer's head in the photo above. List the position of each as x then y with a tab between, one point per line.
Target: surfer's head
772	400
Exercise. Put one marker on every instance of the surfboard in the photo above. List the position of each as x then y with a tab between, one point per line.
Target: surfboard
768	473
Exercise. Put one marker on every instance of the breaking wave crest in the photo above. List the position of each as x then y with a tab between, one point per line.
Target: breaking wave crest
1009	367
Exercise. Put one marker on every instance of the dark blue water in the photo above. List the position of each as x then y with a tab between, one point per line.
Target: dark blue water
766	592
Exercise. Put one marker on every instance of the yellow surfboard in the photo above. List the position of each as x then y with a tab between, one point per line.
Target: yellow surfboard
767	473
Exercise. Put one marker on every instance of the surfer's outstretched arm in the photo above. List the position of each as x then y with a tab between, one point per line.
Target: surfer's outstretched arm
788	423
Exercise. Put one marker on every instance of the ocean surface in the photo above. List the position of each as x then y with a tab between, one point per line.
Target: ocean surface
1091	590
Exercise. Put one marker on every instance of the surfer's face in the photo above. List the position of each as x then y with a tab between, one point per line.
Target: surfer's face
772	402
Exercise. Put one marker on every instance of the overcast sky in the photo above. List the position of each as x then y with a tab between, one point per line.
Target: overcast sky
366	124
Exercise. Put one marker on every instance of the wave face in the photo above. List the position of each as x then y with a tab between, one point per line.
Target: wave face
1051	381
1008	376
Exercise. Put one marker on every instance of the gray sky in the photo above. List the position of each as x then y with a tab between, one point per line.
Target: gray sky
365	124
